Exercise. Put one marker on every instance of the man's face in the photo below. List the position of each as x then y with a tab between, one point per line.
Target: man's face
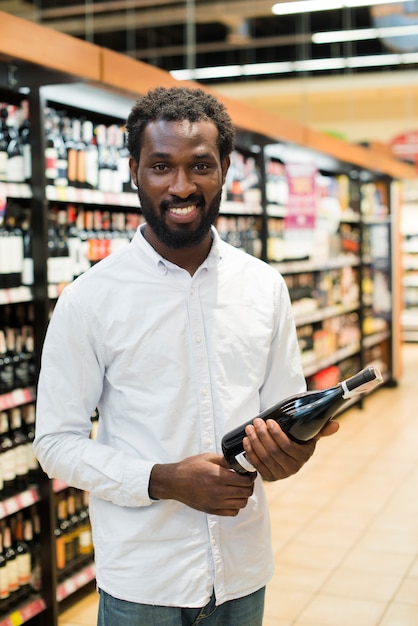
179	178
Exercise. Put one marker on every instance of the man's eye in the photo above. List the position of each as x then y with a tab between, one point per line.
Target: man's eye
201	166
160	167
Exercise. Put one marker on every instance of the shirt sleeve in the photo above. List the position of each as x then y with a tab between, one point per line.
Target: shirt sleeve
284	374
70	385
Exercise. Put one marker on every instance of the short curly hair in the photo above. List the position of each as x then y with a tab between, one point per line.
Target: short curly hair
176	104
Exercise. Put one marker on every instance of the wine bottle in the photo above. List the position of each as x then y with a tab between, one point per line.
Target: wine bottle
301	416
7	458
4	580
11	565
15	162
4	142
20	441
23	557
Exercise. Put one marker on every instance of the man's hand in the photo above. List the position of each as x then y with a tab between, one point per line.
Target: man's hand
204	482
273	454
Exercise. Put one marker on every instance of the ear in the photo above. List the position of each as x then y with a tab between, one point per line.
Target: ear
225	167
133	167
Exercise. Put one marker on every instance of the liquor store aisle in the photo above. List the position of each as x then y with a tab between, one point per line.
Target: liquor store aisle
345	529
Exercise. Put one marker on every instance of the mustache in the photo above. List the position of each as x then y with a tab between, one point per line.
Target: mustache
177	201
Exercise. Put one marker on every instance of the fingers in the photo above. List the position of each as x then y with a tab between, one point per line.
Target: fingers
273	454
330	428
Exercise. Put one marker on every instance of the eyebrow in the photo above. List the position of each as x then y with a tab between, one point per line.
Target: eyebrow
167	155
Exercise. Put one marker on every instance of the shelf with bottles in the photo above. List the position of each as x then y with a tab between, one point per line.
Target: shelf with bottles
242	194
15	147
73	541
20	567
328	341
323	293
312	217
19	470
243	232
409	252
24	613
80	236
17	355
16	263
333	373
86	156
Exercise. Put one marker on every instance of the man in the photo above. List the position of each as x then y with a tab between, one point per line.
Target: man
176	339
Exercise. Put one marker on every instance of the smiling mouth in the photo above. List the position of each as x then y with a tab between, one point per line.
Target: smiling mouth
183	210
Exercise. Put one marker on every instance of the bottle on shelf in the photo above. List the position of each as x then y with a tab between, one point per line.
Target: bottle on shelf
23	557
60	532
51	151
4	580
11	254
12	566
85	540
7	456
32	534
91	158
4	141
20	442
301	416
6	366
15	162
28	413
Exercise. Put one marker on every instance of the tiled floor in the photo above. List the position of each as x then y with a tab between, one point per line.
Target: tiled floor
345	528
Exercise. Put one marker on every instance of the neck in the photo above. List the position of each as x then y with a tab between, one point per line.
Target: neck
189	259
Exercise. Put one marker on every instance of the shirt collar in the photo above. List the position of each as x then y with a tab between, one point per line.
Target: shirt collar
213	258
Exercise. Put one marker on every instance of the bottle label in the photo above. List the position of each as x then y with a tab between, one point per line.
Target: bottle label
4	584
244	462
13	575
21	460
23	568
3	165
8	465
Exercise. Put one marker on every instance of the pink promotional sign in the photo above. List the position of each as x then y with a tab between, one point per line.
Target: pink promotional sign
405	146
302	200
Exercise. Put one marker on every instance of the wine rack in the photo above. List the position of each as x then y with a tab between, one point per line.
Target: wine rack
67	202
409	233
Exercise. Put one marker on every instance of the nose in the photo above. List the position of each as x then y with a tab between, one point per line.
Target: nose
182	183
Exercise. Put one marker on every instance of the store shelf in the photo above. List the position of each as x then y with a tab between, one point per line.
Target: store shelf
16	397
19	502
339	355
91	197
24	613
325	313
16	295
15	190
75	582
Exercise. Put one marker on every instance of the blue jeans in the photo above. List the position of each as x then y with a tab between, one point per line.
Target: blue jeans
247	611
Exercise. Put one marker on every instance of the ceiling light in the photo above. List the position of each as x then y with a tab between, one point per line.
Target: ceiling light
312	65
309	6
308	65
339	36
374	60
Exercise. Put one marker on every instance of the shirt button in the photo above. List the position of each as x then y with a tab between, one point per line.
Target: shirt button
192	291
204	391
208	441
198	339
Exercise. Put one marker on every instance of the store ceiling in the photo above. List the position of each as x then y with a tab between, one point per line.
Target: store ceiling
188	34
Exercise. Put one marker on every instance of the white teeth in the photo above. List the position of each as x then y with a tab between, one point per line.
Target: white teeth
183	211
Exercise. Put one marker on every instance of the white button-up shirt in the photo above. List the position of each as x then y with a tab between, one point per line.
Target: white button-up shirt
172	362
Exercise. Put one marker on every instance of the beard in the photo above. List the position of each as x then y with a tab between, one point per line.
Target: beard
179	238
